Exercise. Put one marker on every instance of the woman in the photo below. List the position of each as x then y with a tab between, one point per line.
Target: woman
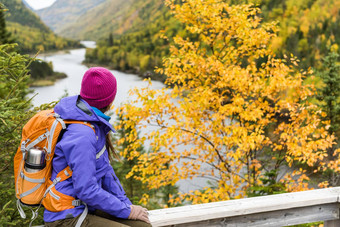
85	149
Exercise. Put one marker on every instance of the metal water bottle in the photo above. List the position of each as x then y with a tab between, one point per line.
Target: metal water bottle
35	160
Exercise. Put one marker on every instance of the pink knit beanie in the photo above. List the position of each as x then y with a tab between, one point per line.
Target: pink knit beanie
98	87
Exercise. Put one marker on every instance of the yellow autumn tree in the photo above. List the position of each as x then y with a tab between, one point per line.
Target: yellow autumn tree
234	111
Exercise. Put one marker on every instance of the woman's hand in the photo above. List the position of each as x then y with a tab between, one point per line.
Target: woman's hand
139	213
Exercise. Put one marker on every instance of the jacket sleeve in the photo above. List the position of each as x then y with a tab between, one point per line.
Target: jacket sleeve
79	148
112	184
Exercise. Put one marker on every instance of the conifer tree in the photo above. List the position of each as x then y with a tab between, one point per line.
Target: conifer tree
14	112
5	36
132	187
329	94
14	88
329	97
110	41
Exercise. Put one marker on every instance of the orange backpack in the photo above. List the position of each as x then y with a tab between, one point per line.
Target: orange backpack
35	188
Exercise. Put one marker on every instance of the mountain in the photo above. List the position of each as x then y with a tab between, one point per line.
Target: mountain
94	20
19	13
127	30
100	20
30	32
135	45
27	5
64	12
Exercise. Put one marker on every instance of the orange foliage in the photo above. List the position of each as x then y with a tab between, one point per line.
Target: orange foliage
234	110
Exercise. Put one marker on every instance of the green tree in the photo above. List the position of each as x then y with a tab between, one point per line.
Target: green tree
110	40
268	186
5	36
329	93
14	111
329	97
134	189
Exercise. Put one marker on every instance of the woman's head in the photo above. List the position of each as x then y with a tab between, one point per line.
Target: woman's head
98	87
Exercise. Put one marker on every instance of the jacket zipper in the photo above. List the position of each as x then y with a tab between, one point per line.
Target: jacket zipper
117	182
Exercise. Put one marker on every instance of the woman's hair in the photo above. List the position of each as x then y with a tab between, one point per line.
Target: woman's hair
109	146
110	149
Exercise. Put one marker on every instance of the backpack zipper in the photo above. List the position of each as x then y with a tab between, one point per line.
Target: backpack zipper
50	138
54	195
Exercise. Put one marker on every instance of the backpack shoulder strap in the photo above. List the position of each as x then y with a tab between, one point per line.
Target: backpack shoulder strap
67	122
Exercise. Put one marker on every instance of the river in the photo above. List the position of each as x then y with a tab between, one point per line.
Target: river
70	62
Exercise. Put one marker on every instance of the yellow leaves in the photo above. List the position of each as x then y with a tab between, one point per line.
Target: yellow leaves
144	200
297	181
226	117
323	184
162	35
206	195
334	47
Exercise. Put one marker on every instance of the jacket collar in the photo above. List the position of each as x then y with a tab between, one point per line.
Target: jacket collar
87	109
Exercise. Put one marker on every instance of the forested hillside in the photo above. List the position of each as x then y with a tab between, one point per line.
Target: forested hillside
29	32
138	46
65	12
99	21
25	28
129	30
309	29
92	20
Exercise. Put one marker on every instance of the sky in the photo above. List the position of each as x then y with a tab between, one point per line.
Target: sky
39	4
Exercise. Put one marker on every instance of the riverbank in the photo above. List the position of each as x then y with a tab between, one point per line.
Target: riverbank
43	74
48	81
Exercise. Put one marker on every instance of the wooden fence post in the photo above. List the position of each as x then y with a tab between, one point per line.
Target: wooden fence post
333	223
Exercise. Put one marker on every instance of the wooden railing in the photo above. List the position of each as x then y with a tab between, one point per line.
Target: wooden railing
265	211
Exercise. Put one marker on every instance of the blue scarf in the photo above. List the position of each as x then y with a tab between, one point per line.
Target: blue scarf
101	114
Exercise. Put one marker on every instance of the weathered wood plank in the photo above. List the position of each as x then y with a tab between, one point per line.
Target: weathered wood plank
255	208
287	217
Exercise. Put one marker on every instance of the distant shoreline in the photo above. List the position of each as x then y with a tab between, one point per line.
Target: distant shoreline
48	81
52	79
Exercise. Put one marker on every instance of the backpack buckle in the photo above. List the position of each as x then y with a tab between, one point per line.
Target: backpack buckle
77	202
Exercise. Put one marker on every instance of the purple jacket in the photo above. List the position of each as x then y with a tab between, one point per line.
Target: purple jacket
93	180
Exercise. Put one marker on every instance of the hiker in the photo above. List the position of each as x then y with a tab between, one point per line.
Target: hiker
87	151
